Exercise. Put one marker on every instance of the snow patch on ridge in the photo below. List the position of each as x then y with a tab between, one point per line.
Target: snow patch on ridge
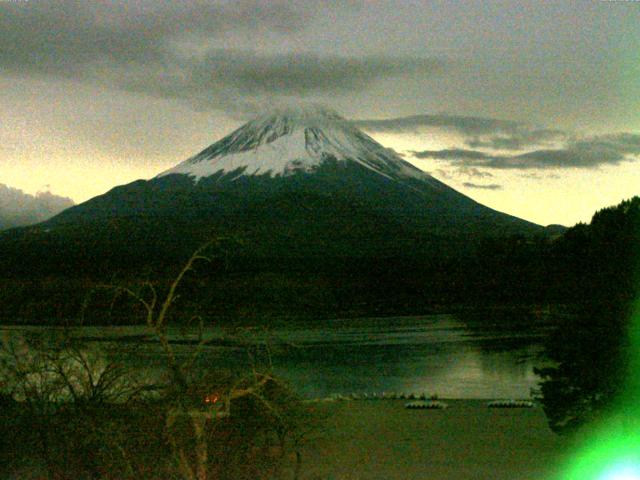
293	141
278	157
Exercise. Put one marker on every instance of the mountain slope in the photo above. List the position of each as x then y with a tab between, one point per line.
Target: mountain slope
295	184
322	220
292	152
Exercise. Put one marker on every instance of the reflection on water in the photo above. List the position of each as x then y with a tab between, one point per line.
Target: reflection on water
432	354
436	355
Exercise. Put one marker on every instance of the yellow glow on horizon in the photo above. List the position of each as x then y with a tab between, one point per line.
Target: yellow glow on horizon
554	196
569	197
75	178
544	197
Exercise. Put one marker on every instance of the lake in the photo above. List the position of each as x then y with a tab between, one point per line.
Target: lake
444	355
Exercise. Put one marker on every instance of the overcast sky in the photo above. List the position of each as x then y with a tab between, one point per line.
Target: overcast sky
532	108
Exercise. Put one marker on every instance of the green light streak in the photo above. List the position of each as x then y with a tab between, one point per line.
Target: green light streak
613	451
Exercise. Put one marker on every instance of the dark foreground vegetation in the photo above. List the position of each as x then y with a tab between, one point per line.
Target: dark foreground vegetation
72	411
591	348
588	274
152	438
243	284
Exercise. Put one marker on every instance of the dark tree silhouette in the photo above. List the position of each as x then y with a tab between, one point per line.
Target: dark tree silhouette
589	351
595	266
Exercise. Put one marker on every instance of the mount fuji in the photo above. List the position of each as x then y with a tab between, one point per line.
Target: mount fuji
298	183
295	141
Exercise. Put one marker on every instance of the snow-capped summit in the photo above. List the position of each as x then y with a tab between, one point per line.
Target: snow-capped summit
294	140
293	184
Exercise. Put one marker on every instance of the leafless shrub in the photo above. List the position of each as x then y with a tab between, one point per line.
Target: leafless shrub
63	392
201	405
92	418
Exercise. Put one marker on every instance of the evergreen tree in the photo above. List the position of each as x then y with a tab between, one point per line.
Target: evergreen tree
595	266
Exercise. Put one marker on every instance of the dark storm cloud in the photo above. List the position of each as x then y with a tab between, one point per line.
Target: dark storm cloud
243	80
624	143
538	176
588	153
164	49
462	124
518	140
61	36
473	172
297	73
481	132
452	154
251	73
491	186
570	157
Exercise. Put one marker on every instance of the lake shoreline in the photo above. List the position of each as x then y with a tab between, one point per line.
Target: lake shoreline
428	355
535	309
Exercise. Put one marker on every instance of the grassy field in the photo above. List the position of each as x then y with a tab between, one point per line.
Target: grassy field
380	439
377	439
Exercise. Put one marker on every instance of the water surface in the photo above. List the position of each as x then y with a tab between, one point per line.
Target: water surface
437	355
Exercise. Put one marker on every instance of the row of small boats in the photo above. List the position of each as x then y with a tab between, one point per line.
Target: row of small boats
424	401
